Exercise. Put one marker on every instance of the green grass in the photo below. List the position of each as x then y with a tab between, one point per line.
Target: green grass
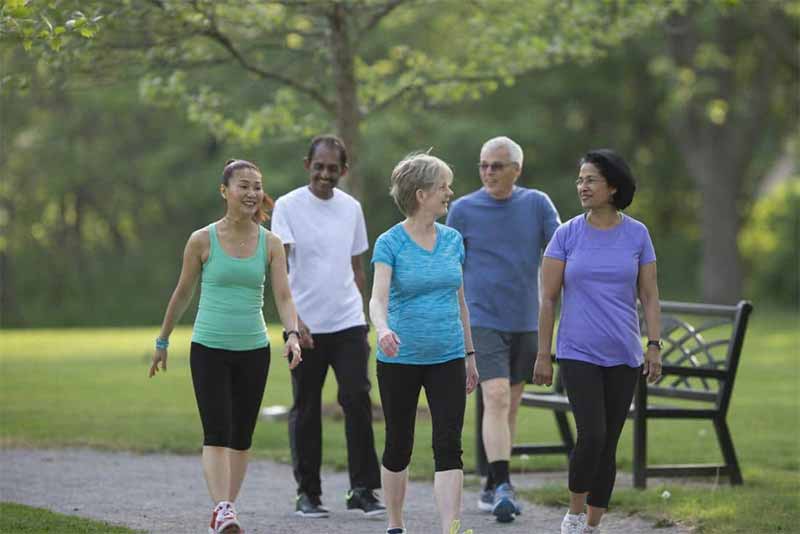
87	387
25	519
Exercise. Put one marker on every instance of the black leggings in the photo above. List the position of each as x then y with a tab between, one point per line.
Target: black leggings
229	386
600	398
445	389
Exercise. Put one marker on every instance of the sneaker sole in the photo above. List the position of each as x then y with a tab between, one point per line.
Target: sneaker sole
485	506
504	511
373	513
315	515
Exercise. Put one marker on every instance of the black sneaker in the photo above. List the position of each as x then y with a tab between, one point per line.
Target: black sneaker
365	500
310	506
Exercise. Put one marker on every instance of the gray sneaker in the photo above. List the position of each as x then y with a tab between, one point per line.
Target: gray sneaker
310	506
365	500
486	500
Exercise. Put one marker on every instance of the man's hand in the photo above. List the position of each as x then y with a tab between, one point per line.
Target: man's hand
543	370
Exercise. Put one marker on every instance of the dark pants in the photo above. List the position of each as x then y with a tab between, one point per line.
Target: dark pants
600	398
445	388
347	352
228	386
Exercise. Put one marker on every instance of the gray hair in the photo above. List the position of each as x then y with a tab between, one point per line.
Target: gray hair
414	172
514	150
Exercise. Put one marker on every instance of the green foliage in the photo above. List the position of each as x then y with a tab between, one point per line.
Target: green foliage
20	519
306	55
769	244
51	32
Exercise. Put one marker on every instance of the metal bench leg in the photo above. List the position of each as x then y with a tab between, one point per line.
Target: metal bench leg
728	452
640	435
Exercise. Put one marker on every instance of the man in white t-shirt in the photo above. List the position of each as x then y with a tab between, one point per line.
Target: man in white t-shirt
323	231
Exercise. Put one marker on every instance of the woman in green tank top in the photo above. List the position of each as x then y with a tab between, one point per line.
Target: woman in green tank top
230	351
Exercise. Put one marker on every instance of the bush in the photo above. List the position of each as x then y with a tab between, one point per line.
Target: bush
769	246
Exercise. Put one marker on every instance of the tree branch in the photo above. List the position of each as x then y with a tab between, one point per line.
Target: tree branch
214	34
378	16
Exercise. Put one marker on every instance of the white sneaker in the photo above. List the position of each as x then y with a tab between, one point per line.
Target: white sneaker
573	523
224	520
590	530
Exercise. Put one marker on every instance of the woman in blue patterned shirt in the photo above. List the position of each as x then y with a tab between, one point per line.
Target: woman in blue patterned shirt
424	339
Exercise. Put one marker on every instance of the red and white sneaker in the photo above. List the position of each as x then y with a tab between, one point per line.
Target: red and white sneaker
224	520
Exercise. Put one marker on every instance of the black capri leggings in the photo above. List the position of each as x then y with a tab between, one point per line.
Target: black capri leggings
600	398
229	386
445	389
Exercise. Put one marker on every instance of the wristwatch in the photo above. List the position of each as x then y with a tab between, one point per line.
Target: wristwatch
655	343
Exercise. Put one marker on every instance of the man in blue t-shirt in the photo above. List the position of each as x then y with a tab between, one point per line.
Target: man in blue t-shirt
505	230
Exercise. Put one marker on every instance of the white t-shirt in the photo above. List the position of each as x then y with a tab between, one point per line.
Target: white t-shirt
323	236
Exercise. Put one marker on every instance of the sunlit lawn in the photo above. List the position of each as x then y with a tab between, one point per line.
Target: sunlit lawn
89	388
18	519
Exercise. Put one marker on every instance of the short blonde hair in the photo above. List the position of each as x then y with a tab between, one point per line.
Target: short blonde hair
414	172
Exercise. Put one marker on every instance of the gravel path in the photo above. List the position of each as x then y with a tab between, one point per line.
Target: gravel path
163	493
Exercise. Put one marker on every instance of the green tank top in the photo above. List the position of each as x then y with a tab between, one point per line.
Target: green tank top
230	313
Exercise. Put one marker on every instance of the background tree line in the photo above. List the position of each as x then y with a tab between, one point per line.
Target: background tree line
116	123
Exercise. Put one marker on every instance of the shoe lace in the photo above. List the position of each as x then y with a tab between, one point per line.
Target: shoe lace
228	512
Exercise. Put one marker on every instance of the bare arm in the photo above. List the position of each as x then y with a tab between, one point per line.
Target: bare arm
183	293
552	281
379	309
306	341
472	368
279	280
360	276
648	295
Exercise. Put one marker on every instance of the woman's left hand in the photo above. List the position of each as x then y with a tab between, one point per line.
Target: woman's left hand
292	346
472	374
652	364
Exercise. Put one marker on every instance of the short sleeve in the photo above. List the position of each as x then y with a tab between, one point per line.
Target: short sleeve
460	247
280	223
383	251
647	253
550	218
454	217
556	248
360	242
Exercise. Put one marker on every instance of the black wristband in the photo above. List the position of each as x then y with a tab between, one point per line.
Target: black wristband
470	353
290	332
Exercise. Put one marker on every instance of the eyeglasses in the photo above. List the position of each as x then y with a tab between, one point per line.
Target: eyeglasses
495	166
589	180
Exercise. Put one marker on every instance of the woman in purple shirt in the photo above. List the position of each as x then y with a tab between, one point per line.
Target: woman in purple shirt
603	260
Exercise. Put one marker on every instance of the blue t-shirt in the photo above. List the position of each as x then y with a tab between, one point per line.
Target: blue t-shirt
599	323
504	240
423	295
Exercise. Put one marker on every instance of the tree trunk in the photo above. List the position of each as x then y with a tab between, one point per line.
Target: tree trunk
722	267
348	117
718	156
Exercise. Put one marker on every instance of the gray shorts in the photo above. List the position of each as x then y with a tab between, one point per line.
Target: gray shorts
505	354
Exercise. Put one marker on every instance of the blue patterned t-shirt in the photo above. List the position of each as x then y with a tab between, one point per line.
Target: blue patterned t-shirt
423	295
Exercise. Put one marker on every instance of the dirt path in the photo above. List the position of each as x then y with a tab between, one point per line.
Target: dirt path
163	493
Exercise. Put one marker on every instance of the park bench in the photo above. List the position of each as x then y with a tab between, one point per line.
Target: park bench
702	346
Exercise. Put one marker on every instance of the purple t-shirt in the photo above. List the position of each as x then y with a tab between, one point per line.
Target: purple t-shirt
599	323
